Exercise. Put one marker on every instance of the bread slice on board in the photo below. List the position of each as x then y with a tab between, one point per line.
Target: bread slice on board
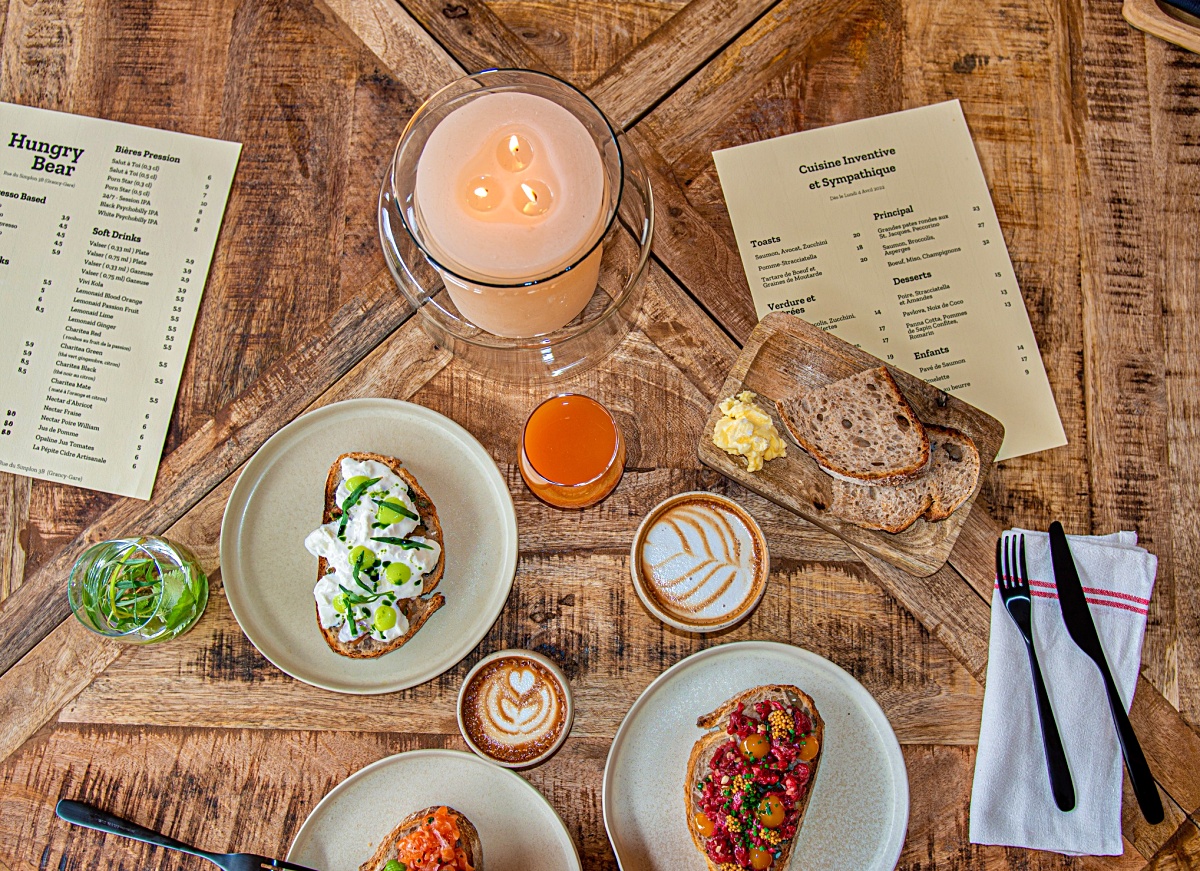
879	506
860	429
946	484
953	471
416	610
705	748
469	840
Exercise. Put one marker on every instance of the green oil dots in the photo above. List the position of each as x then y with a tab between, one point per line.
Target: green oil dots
385	618
397	573
363	557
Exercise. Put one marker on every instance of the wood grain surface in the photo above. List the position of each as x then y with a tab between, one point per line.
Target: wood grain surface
1089	138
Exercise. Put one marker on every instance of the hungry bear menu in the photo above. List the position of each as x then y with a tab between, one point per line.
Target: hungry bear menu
107	231
882	231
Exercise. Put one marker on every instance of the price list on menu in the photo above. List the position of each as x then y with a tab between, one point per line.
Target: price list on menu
882	231
107	231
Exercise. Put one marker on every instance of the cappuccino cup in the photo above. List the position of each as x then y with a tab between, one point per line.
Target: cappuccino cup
699	562
515	708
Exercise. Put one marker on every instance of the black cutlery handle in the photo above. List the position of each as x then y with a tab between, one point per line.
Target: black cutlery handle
1056	759
93	818
1144	786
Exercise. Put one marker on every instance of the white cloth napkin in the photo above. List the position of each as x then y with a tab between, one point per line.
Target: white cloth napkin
1011	802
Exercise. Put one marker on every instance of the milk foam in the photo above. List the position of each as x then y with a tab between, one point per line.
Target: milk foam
700	560
514	709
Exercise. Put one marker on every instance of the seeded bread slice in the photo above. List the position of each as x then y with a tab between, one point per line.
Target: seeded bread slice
948	482
953	471
468	840
880	506
416	610
705	748
860	429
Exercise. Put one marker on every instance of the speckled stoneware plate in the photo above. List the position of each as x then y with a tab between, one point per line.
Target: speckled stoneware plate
858	814
518	828
269	576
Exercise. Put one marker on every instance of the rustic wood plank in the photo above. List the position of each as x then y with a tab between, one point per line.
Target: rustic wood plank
661	61
583	39
1129	488
204	678
1181	852
474	35
14	531
1176	268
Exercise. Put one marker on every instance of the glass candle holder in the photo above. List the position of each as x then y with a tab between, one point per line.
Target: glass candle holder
140	590
517	224
572	453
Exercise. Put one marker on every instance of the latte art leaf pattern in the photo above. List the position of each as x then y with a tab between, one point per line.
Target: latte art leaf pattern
701	561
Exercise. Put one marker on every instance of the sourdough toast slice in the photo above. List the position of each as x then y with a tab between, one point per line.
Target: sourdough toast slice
948	482
468	839
887	508
953	471
860	429
710	744
416	610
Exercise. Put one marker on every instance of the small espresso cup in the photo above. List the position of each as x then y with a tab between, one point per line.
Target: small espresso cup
515	708
699	562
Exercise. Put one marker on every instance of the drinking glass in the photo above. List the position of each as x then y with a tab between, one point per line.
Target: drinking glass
572	452
139	590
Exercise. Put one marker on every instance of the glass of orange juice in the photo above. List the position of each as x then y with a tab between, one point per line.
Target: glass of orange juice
572	451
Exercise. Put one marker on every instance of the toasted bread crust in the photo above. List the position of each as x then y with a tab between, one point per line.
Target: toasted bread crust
469	839
704	749
415	610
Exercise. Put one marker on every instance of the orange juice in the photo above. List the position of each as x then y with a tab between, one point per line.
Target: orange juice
572	452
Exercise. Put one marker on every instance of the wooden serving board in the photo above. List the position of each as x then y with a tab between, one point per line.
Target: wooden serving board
786	355
1148	16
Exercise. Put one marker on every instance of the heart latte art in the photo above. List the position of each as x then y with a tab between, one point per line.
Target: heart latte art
701	562
513	709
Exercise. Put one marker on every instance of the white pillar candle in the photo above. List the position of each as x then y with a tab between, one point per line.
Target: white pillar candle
510	189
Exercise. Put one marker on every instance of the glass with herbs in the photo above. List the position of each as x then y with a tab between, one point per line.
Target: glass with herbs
140	590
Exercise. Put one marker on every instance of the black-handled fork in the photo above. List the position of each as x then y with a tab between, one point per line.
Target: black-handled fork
1013	577
85	815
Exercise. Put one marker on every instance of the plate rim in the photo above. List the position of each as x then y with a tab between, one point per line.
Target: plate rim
247	484
367	769
874	711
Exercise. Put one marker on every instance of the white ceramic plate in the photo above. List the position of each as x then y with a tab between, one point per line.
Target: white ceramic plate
518	828
269	576
858	814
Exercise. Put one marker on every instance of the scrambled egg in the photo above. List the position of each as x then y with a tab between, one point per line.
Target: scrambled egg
748	431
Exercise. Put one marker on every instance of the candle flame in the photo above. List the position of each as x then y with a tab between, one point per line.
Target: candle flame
530	193
514	144
481	192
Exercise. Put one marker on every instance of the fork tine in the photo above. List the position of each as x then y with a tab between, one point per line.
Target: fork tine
999	542
1024	566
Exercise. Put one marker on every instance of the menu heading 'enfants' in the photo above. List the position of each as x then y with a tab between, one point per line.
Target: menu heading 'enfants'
832	181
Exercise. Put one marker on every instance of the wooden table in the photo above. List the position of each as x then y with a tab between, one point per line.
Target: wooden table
1090	141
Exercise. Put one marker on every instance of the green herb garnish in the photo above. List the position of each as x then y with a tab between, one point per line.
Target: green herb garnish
405	543
398	507
352	499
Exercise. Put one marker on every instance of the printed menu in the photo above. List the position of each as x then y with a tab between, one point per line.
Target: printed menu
882	231
107	231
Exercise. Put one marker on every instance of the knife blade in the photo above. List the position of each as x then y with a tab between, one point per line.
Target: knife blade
1080	626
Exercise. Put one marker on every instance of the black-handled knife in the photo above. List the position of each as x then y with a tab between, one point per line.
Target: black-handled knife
1082	630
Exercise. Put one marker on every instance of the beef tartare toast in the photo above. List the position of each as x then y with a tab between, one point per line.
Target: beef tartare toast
379	551
750	779
434	839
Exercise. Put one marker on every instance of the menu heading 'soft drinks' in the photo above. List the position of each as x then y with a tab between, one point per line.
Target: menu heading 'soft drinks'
882	231
106	235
